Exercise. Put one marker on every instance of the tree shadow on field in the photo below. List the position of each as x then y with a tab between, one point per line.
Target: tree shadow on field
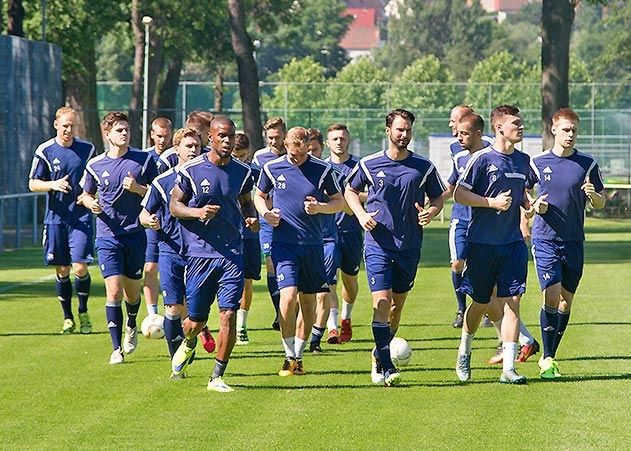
595	357
602	323
583	378
45	334
607	251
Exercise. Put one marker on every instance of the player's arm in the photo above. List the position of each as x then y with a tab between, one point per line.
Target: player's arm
44	186
465	196
149	220
272	216
353	200
335	204
524	225
425	215
448	193
90	202
596	199
248	210
130	184
178	205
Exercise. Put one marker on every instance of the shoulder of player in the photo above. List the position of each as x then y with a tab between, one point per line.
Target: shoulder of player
96	160
257	155
80	142
240	164
583	155
163	178
40	150
368	159
166	154
275	162
186	167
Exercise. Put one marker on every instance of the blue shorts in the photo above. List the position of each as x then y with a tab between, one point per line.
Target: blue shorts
122	255
171	269
65	244
152	252
300	266
391	269
252	258
489	265
207	278
558	261
265	235
458	240
331	262
350	245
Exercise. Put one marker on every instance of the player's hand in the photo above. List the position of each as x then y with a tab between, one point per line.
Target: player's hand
154	222
252	224
588	188
207	212
93	205
129	182
80	198
502	202
272	217
525	230
62	185
311	205
541	204
367	221
423	215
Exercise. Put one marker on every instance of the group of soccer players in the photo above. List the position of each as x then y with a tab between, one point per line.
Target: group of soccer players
200	214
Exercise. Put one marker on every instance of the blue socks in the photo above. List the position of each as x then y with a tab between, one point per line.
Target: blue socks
82	287
220	368
316	334
132	312
456	278
64	294
173	332
549	319
274	292
114	317
564	318
381	334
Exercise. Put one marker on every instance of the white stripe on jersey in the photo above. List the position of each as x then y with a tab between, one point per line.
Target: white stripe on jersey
469	165
39	153
89	169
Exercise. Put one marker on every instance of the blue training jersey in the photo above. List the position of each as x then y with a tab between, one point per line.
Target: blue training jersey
459	162
561	179
291	185
169	159
204	183
156	201
489	173
104	176
52	161
345	223
247	233
393	189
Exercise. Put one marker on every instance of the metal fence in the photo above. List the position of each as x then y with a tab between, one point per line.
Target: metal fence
23	225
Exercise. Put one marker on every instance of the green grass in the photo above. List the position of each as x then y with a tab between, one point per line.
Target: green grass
59	391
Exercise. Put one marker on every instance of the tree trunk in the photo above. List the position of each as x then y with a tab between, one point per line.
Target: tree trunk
556	27
168	90
248	76
81	96
218	88
16	18
135	104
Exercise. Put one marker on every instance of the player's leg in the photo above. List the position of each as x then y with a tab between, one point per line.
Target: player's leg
252	271
350	251
457	251
495	312
572	271
307	314
82	254
110	256
242	314
171	267
319	326
265	236
56	253
151	285
328	302
134	246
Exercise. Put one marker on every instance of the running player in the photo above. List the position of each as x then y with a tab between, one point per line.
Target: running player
398	181
200	121
57	168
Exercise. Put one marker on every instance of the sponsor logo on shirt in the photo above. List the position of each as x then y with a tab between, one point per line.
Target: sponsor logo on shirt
381	174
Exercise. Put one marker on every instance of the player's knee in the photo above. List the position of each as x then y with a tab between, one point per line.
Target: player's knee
62	271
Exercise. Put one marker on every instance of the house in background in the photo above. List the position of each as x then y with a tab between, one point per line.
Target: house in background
363	34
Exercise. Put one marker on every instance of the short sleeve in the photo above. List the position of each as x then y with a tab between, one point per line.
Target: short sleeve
358	179
434	186
88	182
330	183
152	200
39	169
265	183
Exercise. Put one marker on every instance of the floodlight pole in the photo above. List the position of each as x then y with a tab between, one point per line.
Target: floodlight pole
146	21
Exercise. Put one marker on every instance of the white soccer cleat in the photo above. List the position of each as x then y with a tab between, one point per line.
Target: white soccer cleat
463	367
217	384
376	372
130	341
117	357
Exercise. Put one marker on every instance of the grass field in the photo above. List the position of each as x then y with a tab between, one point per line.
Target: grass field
60	392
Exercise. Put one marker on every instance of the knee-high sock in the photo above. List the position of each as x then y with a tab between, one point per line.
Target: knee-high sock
549	318
173	333
64	294
381	334
564	319
456	278
82	287
114	317
132	312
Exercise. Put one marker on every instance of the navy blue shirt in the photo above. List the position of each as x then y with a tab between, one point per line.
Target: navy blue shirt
104	176
459	162
52	161
561	179
205	183
292	184
393	189
169	159
489	173
345	223
156	201
247	233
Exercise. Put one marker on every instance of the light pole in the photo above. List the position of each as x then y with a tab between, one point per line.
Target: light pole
146	21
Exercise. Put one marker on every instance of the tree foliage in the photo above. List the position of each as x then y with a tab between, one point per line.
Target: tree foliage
301	86
359	85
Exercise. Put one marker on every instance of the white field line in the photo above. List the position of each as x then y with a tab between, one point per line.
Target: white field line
13	286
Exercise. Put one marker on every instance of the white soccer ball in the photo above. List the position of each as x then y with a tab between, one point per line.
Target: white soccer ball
400	351
153	326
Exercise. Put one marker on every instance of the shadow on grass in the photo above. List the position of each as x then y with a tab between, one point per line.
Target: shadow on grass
595	357
45	334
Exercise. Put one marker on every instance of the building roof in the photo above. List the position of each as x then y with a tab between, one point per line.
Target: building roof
363	33
377	5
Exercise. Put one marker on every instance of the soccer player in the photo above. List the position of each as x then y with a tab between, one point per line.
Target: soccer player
211	197
161	132
304	187
57	168
200	121
251	247
496	251
114	184
275	131
156	216
398	181
567	180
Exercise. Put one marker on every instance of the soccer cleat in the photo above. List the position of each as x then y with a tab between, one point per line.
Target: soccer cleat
315	347
68	327
300	369
288	368
86	324
376	371
555	368
130	340
511	377
547	368
486	322
275	324
334	337
457	324
463	367
208	342
183	357
392	378
117	357
347	331
498	357
527	351
242	337
217	384
178	377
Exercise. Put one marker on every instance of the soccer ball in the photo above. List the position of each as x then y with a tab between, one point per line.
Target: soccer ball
400	351
153	326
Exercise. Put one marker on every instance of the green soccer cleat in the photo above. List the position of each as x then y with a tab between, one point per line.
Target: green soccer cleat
555	368
182	357
217	384
68	327
547	368
85	323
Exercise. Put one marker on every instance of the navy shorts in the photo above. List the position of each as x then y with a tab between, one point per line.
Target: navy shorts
265	235
300	266
488	265
558	261
350	245
391	269
65	244
207	278
458	240
331	262
152	252
122	255
252	258
171	269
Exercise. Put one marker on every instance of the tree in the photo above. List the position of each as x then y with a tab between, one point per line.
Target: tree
16	18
